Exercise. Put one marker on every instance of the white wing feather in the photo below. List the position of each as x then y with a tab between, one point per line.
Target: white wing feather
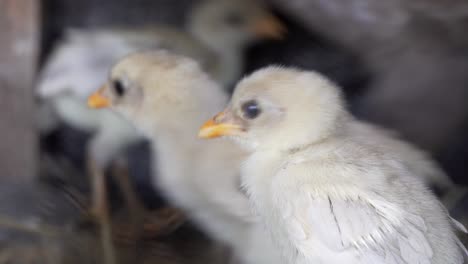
376	230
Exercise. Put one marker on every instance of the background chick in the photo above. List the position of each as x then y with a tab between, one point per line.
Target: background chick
226	28
324	193
202	177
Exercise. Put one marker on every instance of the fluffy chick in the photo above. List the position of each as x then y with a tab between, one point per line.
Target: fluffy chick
326	193
166	97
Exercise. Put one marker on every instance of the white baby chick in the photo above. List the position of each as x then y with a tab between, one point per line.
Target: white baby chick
326	193
166	96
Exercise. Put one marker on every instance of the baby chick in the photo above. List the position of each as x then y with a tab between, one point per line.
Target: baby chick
166	96
326	193
226	27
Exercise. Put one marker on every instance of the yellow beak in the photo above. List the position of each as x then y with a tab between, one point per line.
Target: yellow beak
98	100
213	129
269	27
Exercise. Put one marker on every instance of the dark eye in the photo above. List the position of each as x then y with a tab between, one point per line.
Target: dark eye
234	19
251	109
118	87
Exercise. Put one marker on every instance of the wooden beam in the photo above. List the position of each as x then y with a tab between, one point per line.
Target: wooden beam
19	35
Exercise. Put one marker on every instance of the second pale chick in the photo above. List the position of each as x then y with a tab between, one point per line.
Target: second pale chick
325	192
166	97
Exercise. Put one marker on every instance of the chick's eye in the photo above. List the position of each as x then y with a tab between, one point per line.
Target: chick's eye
234	19
118	87
251	109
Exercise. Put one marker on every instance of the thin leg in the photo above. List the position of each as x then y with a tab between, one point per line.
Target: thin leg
136	209
100	210
144	224
163	221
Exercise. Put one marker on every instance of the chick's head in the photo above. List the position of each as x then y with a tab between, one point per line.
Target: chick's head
233	23
159	89
279	108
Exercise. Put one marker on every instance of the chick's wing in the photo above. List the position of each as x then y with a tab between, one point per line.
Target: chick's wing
366	225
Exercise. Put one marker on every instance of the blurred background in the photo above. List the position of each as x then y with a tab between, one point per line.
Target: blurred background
401	64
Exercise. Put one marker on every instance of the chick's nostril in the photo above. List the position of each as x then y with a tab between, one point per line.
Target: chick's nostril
219	117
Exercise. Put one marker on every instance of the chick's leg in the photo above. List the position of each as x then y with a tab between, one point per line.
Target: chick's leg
163	221
136	209
144	223
100	209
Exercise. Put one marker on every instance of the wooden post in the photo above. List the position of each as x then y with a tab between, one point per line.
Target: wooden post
19	28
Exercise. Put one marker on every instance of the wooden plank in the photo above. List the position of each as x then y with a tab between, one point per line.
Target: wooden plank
19	25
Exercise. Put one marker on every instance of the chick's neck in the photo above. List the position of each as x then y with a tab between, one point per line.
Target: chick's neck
181	129
177	151
299	140
175	146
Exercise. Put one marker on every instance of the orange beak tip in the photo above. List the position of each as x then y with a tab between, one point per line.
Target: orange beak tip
208	130
212	129
97	100
270	27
